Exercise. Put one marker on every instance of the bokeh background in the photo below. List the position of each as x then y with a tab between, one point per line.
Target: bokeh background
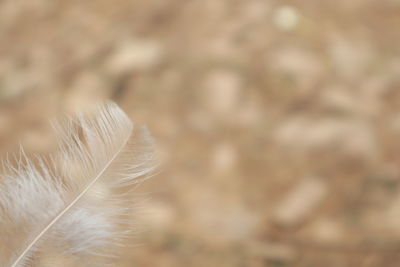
279	120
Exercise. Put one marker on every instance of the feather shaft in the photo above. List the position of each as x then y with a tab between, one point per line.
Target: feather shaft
47	228
76	204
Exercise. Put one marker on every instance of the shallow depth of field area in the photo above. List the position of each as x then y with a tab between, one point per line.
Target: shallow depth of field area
278	121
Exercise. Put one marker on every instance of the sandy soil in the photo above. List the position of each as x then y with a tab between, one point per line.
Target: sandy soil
279	120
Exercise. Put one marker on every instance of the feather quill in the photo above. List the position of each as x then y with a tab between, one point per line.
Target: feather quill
77	202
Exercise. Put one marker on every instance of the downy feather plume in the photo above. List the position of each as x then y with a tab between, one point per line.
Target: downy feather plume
76	204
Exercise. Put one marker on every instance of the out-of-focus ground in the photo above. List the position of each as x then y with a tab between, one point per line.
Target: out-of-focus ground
279	120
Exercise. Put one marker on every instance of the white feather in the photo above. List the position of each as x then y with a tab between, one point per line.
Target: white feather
76	203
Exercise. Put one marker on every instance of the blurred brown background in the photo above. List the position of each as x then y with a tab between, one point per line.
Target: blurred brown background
279	120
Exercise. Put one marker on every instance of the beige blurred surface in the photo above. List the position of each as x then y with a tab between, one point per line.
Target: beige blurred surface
279	120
